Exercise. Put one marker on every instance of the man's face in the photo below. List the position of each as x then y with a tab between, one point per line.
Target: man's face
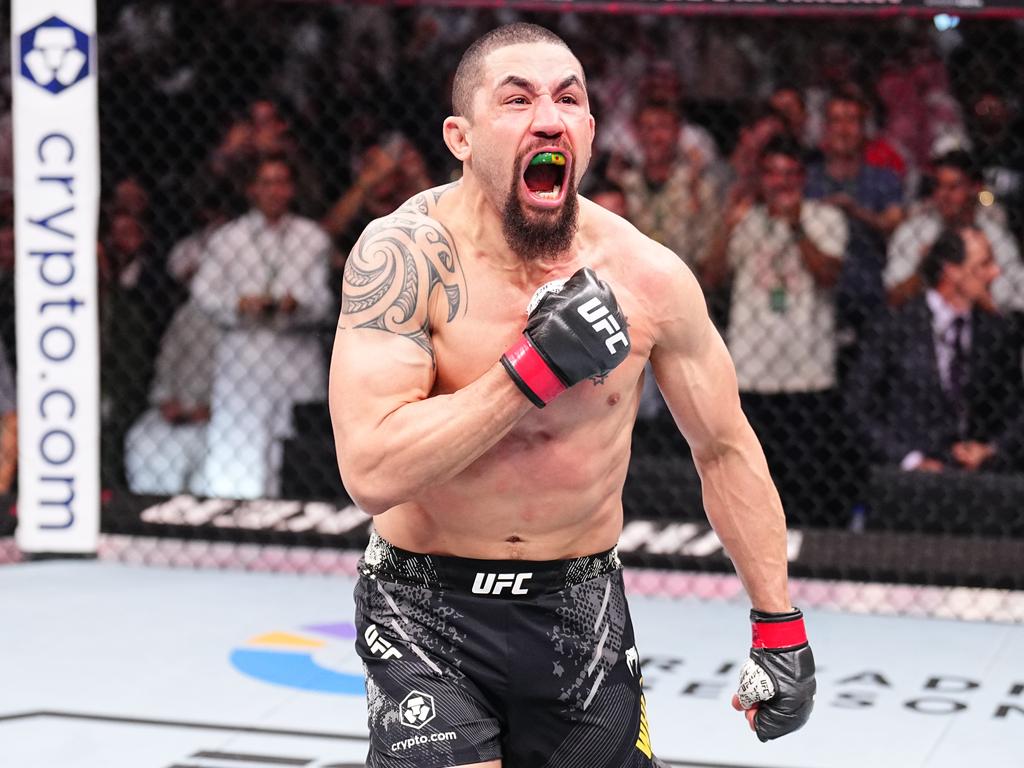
782	182
404	181
131	196
269	130
126	234
657	129
272	190
844	128
954	195
973	278
532	102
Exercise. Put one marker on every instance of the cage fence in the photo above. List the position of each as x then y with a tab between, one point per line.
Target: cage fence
245	145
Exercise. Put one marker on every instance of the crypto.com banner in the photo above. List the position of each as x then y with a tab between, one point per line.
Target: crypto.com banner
56	171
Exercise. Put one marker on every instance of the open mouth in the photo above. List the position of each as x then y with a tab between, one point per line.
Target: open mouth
545	176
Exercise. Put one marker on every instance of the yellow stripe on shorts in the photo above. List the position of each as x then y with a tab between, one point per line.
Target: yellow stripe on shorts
643	740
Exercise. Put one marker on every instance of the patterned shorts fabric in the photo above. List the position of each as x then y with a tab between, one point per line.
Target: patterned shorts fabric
531	663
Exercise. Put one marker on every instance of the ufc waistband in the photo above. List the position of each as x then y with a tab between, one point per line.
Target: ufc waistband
488	578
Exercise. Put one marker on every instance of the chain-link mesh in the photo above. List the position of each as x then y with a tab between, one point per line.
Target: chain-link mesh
849	192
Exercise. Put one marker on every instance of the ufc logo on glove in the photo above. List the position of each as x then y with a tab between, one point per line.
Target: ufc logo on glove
556	350
595	310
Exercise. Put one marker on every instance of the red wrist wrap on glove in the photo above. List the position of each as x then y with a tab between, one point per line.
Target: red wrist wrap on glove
534	372
778	634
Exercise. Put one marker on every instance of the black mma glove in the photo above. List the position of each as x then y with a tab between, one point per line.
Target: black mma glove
575	330
779	675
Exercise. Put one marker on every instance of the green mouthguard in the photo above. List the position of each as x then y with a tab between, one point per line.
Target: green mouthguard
549	158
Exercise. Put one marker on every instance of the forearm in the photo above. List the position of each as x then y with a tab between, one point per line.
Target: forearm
874	220
715	267
883	222
823	268
344	211
902	292
887	221
8	450
429	441
302	316
217	299
746	513
313	301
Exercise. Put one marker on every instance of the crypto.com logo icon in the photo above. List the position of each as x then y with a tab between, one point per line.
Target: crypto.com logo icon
54	55
417	709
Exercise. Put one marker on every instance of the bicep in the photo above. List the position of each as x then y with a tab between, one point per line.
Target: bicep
383	354
373	374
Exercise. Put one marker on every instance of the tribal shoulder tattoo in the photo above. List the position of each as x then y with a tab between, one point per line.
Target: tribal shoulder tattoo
425	202
394	272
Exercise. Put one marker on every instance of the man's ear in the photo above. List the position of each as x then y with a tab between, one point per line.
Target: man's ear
456	136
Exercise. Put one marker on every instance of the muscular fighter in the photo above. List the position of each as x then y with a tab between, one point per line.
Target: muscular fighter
486	424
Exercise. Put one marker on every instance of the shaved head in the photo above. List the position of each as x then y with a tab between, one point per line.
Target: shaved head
471	66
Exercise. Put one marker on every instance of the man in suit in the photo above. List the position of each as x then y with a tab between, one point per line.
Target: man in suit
954	203
939	384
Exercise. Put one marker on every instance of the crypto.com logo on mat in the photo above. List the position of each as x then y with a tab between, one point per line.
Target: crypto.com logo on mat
54	55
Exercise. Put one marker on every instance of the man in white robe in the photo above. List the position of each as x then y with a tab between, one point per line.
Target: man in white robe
165	449
264	281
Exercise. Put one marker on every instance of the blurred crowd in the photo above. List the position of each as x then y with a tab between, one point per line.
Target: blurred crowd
849	193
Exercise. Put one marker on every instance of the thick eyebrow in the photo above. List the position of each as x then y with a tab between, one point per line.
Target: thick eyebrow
518	82
569	81
526	85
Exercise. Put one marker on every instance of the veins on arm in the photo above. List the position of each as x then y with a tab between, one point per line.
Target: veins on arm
392	274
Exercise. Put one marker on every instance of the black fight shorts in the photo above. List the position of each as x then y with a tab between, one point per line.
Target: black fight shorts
532	663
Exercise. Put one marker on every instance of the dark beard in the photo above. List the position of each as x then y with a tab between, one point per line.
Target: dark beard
546	237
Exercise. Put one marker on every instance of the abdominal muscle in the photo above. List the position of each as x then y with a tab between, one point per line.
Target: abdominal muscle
536	495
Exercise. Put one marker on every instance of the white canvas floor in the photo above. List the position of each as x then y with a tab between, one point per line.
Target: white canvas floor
104	665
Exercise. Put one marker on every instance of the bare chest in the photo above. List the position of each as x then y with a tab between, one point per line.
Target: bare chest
494	318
